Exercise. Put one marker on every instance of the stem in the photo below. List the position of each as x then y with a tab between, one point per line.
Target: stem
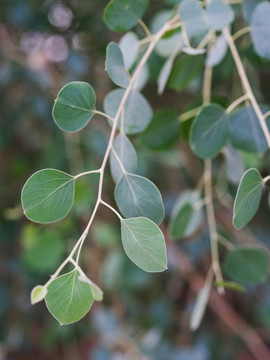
145	28
87	173
206	39
189	114
103	114
241	32
246	85
119	161
225	242
267	178
236	103
266	114
111	208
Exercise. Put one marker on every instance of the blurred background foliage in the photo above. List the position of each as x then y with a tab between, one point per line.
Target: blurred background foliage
44	45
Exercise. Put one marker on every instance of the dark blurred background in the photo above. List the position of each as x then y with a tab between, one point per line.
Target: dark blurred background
44	45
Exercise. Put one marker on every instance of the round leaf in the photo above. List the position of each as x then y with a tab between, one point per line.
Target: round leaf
74	106
68	298
38	294
130	47
218	14
249	7
115	66
260	29
217	52
137	196
247	265
234	165
209	131
136	114
48	196
144	244
248	198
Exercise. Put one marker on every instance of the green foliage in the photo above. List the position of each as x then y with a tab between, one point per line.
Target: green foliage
115	66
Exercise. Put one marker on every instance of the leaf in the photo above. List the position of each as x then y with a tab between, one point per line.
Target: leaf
48	196
248	198
130	47
74	106
38	294
136	114
126	153
185	217
217	52
193	51
115	66
164	75
200	306
249	7
122	15
96	291
144	244
209	131
218	14
163	131
234	165
137	196
193	18
230	285
247	265
68	298
185	69
246	132
260	29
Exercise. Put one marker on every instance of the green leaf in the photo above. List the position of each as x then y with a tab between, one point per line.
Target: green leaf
186	217
136	114
68	298
96	291
163	131
122	15
248	198
115	66
209	131
230	285
193	18
129	46
260	29
185	69
247	265
246	132
144	244
164	75
218	14
38	294
137	196
126	153
48	196
74	106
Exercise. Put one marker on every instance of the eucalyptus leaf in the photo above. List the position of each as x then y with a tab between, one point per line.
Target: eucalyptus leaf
96	291
136	114
247	265
249	7
144	244
137	196
48	196
68	298
130	47
74	106
200	306
115	66
234	165
164	75
209	131
260	29
248	198
218	14
126	153
217	52
122	15
38	294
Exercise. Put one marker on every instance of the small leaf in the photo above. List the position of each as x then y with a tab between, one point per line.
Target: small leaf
74	106
136	113
122	15
200	306
137	196
230	285
185	217
218	14
260	29
217	52
96	291
115	66
144	244
164	75
209	131
48	196
126	153
130	47
248	198
247	265
234	165
68	298
163	131
38	294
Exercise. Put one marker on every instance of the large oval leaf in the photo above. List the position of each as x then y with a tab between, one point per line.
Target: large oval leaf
144	244
74	106
218	14
249	7
260	29
115	66
248	198
136	114
48	195
137	196
247	265
126	153
209	131
69	299
122	15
